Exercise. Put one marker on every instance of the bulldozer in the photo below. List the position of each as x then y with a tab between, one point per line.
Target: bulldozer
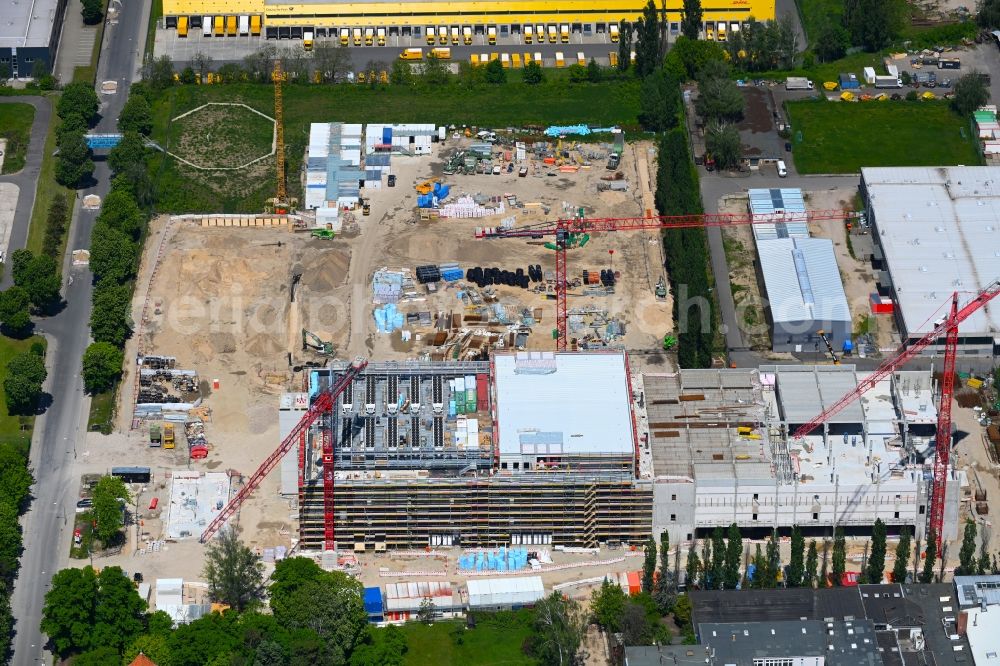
661	290
312	341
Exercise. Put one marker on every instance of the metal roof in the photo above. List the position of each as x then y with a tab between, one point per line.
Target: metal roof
772	201
837	604
939	229
513	591
579	403
802	280
850	643
972	590
805	391
27	24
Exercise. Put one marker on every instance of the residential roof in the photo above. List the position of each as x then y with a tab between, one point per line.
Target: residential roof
802	280
849	643
766	202
939	229
27	24
142	660
513	591
569	403
835	604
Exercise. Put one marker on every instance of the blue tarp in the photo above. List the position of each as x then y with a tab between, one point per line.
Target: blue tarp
559	130
373	600
386	136
388	318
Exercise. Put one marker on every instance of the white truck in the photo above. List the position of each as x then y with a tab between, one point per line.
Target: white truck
798	83
888	82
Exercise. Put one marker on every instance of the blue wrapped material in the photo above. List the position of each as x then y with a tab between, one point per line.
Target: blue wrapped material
561	130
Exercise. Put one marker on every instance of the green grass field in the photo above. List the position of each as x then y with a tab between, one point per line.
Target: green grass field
496	641
816	13
15	430
179	189
15	126
839	137
102	411
48	188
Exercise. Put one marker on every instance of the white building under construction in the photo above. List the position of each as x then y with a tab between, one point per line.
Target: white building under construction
721	451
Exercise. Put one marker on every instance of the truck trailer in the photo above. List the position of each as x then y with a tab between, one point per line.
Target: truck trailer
888	82
798	83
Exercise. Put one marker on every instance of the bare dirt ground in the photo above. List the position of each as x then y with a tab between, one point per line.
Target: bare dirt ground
221	303
741	254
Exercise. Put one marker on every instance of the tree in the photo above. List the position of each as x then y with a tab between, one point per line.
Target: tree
435	72
691	19
385	647
303	596
93	11
927	575
693	566
110	319
10	540
989	14
202	63
967	555
719	100
691	55
56	224
734	551
594	73
120	610
577	73
971	92
333	61
718	557
14	316
839	557
873	24
38	277
23	383
495	73
706	564
73	164
136	116
15	478
102	366
78	99
401	73
772	562
722	141
110	497
154	646
624	46
809	573
682	612
130	151
607	605
557	631
532	74
796	565
234	573
69	610
120	212
665	587
876	559
647	48
113	255
983	566
158	73
649	565
832	42
660	101
427	611
902	562
100	656
635	626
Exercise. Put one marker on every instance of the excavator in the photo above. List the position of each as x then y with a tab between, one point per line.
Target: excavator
312	341
829	347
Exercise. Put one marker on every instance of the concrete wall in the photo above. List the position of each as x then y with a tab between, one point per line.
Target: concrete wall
673	508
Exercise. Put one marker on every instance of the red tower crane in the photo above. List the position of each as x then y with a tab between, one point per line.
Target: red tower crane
946	327
561	229
323	404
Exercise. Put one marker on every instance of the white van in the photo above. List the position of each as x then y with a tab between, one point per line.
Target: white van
782	170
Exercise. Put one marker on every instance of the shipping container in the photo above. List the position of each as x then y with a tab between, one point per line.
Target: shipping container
949	63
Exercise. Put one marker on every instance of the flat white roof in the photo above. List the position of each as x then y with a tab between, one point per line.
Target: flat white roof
569	403
982	630
939	229
515	590
27	24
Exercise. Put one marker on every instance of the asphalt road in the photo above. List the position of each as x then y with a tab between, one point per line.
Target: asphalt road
27	178
60	434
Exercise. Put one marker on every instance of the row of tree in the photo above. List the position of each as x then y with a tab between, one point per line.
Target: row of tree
15	484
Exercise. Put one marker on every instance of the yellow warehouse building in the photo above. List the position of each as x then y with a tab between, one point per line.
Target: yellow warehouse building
285	20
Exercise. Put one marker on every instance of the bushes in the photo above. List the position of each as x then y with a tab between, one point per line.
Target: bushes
38	276
55	226
93	11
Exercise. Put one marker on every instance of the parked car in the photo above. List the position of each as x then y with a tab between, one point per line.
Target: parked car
84	504
782	169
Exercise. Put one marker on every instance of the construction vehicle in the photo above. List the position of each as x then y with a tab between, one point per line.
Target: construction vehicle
312	341
946	327
155	435
829	347
366	207
669	342
168	435
325	234
565	230
661	289
323	404
425	187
